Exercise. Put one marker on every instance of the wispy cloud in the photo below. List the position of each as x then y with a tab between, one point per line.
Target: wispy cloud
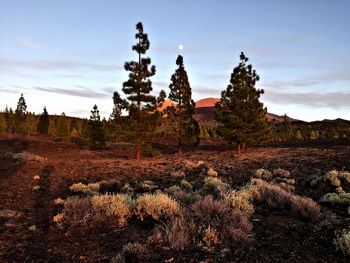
7	64
12	89
30	44
335	100
78	91
286	35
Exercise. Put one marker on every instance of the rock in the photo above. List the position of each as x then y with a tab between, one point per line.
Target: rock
10	214
27	156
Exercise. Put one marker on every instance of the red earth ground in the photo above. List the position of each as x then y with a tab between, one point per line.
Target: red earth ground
276	236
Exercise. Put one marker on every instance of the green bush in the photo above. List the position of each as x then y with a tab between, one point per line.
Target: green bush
342	243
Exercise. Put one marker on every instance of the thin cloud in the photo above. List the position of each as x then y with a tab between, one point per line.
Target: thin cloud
12	89
335	100
30	44
78	91
287	35
54	65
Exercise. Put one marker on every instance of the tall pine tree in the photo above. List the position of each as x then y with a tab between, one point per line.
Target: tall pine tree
96	134
20	115
44	122
185	128
140	104
242	115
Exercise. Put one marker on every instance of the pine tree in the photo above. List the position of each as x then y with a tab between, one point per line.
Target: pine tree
186	128
44	122
242	115
96	134
286	128
142	118
20	115
62	129
30	123
3	124
52	127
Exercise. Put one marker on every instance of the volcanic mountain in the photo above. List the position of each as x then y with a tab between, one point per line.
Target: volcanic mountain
205	108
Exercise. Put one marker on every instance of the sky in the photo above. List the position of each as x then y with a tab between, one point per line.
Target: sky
70	55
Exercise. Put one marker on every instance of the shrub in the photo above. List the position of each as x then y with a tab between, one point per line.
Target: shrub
336	199
79	187
211	185
148	186
186	185
241	200
148	151
232	226
212	173
345	176
342	243
210	237
173	189
274	197
95	187
58	218
264	174
305	207
127	189
77	211
332	177
117	207
281	173
156	205
59	201
178	233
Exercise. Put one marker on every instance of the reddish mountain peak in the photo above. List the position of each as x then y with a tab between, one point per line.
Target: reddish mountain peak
208	102
166	103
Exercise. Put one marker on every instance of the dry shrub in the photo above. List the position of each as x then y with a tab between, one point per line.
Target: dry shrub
77	211
95	187
212	173
127	189
100	209
156	205
333	178
210	237
79	187
178	233
336	199
173	189
345	176
305	207
264	174
274	197
213	186
58	218
281	172
115	207
242	201
232	226
112	185
58	201
186	185
342	243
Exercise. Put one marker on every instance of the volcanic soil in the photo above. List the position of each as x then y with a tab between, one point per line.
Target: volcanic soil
276	236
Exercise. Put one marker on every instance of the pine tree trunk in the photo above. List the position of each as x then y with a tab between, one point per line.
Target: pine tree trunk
138	153
239	149
243	147
180	146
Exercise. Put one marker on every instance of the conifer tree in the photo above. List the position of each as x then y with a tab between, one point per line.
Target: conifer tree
3	124
52	127
140	105
186	128
242	115
30	123
44	122
286	128
20	115
62	129
96	133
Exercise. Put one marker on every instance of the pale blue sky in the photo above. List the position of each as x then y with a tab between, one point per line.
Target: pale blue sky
69	55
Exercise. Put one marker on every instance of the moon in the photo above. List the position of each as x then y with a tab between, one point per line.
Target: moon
181	47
